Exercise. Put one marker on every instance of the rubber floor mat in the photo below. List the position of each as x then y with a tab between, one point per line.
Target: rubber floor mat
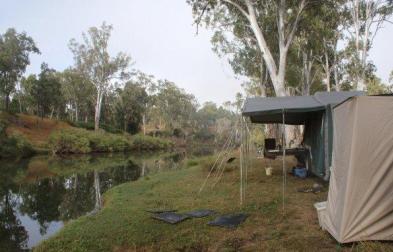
158	211
229	221
170	217
200	213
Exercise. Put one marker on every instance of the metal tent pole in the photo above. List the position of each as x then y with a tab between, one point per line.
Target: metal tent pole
241	160
283	161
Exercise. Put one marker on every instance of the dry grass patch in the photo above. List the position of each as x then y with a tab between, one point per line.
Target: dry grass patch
35	129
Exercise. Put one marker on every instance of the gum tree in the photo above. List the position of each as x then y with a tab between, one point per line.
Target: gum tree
257	18
92	58
15	49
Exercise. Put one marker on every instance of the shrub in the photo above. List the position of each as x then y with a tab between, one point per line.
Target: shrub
178	132
204	134
111	129
84	141
83	125
15	146
90	126
70	141
160	133
104	142
141	142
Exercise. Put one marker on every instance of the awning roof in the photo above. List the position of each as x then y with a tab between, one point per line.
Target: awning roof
297	108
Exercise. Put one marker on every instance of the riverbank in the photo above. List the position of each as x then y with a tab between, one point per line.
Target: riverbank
24	135
123	224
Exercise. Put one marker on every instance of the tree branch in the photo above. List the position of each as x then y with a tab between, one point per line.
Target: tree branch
241	9
295	24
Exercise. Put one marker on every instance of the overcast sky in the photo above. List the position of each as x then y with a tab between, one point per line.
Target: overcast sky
158	34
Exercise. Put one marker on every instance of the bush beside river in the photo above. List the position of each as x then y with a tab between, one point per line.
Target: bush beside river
78	141
14	145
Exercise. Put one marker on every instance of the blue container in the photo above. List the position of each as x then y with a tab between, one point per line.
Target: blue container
300	172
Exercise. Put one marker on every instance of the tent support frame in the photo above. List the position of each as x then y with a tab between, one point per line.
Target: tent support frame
284	173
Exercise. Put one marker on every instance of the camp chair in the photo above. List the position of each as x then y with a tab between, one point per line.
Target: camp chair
270	144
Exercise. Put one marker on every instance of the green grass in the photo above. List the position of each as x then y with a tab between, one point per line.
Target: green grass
123	225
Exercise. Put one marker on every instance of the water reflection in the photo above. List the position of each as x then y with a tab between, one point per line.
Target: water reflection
39	195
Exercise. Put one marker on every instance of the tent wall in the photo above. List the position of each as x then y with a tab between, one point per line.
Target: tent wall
360	199
318	137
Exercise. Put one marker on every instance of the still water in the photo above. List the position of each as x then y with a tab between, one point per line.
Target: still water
39	195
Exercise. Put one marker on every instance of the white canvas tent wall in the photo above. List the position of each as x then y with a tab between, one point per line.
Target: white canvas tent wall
360	199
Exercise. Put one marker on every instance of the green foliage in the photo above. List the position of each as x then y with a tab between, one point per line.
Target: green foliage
93	60
141	142
204	134
15	146
173	107
70	141
90	126
160	133
178	132
83	125
104	142
45	91
15	49
78	92
130	107
85	141
192	162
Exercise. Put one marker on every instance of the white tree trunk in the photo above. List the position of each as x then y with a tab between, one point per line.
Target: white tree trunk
144	123
76	112
97	114
326	68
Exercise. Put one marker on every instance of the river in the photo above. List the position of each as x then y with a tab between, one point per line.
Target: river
39	195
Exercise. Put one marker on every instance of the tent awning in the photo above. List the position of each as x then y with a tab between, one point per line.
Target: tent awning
297	108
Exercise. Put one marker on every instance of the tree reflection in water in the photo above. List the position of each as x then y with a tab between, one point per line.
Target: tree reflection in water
46	198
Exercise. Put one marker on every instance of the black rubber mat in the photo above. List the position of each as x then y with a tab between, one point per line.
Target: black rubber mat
170	217
200	213
157	211
229	221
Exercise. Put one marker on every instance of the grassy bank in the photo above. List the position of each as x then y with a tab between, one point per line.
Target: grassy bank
23	134
123	225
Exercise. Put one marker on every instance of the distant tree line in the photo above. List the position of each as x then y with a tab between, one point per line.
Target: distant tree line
101	91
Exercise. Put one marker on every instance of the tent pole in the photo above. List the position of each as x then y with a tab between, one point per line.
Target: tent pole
241	160
283	161
326	143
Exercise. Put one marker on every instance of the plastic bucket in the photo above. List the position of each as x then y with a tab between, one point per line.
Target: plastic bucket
321	209
269	171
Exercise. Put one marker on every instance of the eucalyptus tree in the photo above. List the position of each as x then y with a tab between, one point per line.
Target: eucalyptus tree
15	49
316	44
130	106
92	58
261	19
173	107
77	91
365	19
149	84
44	91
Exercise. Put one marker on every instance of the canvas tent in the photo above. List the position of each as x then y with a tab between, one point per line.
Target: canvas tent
312	111
360	199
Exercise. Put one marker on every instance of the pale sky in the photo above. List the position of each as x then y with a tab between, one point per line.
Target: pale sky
158	34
